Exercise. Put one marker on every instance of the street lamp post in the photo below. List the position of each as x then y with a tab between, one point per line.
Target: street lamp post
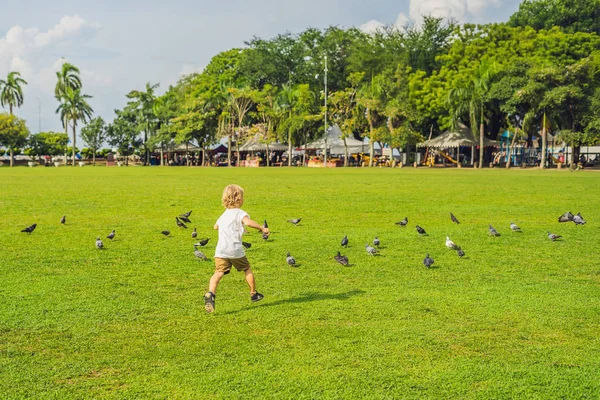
325	158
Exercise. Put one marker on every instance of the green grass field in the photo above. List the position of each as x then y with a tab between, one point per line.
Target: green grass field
518	317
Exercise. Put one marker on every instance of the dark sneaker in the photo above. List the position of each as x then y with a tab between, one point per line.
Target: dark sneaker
209	302
257	297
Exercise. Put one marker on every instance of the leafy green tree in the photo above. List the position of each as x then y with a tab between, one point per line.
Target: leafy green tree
13	133
571	15
48	143
143	103
75	108
94	135
11	91
123	133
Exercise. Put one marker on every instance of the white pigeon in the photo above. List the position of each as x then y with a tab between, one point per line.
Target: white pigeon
450	244
514	227
99	243
371	250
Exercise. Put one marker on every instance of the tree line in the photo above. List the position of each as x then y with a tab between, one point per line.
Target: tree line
535	74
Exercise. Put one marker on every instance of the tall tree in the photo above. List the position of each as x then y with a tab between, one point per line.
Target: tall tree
94	135
143	102
66	79
123	133
13	133
74	108
11	91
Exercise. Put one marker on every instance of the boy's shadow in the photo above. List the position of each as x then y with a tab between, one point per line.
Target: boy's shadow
305	298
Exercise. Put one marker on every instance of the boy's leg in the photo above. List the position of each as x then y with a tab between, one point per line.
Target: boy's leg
214	281
250	281
209	298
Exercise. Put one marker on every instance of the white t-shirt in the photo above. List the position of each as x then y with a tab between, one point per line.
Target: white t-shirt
231	230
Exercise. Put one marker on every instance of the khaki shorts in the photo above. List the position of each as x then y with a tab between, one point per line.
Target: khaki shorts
224	264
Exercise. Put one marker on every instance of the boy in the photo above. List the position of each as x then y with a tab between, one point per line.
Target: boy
229	251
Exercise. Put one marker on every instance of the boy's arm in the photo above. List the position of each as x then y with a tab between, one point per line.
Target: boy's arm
248	222
216	227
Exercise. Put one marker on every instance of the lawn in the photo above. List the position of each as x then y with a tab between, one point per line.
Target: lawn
518	317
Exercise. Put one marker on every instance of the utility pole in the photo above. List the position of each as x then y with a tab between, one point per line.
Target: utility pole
325	158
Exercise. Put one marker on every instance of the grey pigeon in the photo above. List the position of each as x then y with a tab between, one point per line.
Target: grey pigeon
194	234
578	219
166	233
294	221
404	222
453	218
460	253
553	236
514	227
566	217
180	224
185	219
247	245
99	243
199	254
428	261
187	214
420	230
290	260
63	219
29	229
370	250
111	235
493	232
345	241
202	242
341	259
376	242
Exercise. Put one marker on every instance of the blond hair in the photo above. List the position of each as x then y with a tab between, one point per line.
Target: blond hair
233	196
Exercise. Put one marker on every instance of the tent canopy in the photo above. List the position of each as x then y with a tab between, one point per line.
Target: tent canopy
456	138
335	143
255	144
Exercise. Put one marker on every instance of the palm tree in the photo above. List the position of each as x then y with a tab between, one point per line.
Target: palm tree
74	107
11	92
144	103
67	78
470	98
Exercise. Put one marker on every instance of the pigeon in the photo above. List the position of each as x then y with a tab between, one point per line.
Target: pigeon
166	233
111	235
460	253
553	236
404	222
370	250
185	219
578	219
199	254
345	241
29	229
187	214
265	224
453	218
493	232
194	234
202	242
247	245
265	236
341	259
290	260
376	242
294	221
421	230
450	244
63	220
99	243
566	217
180	224
514	227
428	261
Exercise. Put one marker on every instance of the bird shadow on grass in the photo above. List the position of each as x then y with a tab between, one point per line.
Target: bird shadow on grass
305	298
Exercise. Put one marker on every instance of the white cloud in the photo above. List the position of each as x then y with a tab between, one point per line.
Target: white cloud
371	26
187	69
460	10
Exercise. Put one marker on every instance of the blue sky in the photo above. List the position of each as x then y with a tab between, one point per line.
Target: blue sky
121	45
